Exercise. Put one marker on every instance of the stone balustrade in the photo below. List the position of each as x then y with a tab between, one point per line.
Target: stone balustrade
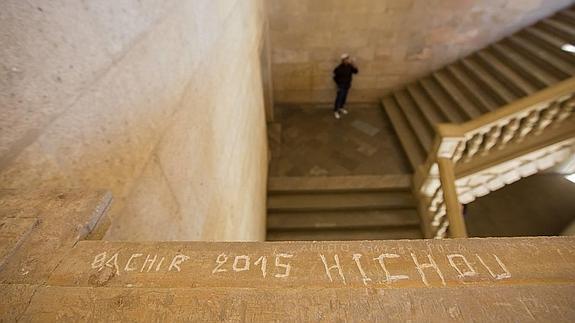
514	129
498	148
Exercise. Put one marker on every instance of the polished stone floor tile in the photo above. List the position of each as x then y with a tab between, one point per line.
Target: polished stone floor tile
314	143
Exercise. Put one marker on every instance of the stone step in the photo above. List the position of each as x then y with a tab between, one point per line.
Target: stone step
413	149
550	62
342	219
425	105
566	16
524	66
482	100
423	130
345	208
442	100
547	41
278	185
347	235
559	28
498	89
506	74
459	97
544	37
295	202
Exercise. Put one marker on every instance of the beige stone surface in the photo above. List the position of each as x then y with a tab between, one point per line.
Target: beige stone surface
423	280
63	219
13	231
393	41
504	280
314	143
289	264
485	304
15	300
154	100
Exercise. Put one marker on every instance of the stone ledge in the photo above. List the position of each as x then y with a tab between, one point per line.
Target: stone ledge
361	264
487	303
339	183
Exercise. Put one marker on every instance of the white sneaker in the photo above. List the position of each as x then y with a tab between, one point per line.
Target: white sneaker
336	114
344	111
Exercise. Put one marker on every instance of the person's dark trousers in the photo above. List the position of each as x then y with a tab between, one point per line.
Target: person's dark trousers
340	98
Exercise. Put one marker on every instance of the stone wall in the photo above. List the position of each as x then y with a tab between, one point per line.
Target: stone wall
394	41
496	214
159	101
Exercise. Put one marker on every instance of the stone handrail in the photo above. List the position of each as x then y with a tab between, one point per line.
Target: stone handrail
49	272
493	132
518	109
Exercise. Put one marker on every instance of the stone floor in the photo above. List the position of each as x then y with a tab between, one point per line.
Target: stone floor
309	141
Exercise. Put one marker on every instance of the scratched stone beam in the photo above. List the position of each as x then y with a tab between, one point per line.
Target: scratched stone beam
381	264
504	280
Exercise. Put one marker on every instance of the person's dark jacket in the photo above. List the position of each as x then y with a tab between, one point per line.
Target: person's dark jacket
342	75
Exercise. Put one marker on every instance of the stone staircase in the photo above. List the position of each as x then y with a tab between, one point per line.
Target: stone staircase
528	73
504	72
342	208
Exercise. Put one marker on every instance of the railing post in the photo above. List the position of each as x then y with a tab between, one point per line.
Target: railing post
447	177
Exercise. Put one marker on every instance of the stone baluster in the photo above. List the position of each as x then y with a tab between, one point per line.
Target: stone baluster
473	146
491	139
527	125
451	201
436	200
565	111
442	231
439	215
547	117
508	133
459	151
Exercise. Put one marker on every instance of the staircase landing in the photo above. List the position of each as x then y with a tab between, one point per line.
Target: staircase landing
313	143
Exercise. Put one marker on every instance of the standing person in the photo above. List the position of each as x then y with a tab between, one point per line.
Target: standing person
342	76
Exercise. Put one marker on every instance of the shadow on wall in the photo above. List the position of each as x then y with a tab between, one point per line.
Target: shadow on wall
540	205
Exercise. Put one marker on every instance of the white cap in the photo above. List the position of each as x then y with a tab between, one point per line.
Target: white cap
344	56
